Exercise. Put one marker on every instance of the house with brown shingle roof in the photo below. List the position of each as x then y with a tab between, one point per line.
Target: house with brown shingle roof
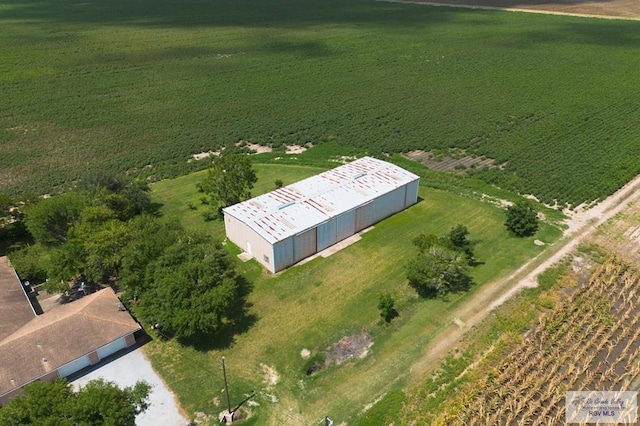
15	308
60	342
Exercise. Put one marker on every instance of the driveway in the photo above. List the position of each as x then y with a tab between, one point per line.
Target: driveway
126	370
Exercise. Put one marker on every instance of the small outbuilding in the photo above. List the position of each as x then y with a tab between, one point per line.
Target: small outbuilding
285	226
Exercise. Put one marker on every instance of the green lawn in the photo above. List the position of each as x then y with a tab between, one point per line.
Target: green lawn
315	304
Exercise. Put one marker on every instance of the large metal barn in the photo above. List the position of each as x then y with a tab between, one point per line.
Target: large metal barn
284	226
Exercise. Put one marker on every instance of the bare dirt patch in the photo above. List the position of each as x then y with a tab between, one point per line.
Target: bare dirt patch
446	163
349	347
356	346
620	9
203	155
295	149
271	376
254	147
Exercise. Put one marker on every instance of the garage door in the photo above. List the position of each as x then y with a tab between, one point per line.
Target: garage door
111	348
304	244
74	366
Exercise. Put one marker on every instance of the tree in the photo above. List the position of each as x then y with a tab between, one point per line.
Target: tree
125	197
386	307
458	238
40	403
49	220
438	271
103	250
522	219
425	241
55	404
68	261
229	180
12	226
27	262
193	288
149	237
104	403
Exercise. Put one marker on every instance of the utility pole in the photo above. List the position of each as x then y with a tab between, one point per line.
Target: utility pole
226	387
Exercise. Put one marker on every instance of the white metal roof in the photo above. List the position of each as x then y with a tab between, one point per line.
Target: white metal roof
295	208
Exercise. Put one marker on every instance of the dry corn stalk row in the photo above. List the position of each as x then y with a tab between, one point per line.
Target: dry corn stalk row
589	342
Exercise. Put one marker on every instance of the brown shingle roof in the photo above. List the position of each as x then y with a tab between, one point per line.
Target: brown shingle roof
15	308
60	336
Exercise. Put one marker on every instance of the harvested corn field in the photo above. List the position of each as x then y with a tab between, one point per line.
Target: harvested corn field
586	342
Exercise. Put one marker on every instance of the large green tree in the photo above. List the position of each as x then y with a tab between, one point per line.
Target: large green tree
50	219
28	263
522	219
229	180
149	237
104	403
438	271
458	238
55	404
88	228
125	197
193	288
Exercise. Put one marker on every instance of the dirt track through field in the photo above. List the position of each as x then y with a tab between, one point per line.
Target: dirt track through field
608	9
474	310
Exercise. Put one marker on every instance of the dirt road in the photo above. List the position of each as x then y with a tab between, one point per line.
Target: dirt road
580	224
607	9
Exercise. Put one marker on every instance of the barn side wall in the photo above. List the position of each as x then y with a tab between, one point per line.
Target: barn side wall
282	254
345	225
305	244
411	193
326	234
249	241
379	208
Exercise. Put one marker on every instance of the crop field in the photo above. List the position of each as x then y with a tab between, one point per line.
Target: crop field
327	301
588	342
139	86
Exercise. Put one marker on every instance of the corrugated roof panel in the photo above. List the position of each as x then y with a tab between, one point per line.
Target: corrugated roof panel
295	208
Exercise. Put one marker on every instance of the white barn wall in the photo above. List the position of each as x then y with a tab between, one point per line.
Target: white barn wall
411	194
380	208
326	234
245	238
282	254
304	244
345	225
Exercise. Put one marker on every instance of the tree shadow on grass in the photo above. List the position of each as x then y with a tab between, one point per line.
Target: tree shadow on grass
427	292
391	315
239	321
154	209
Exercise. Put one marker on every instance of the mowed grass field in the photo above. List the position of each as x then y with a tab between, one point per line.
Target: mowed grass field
140	85
313	305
